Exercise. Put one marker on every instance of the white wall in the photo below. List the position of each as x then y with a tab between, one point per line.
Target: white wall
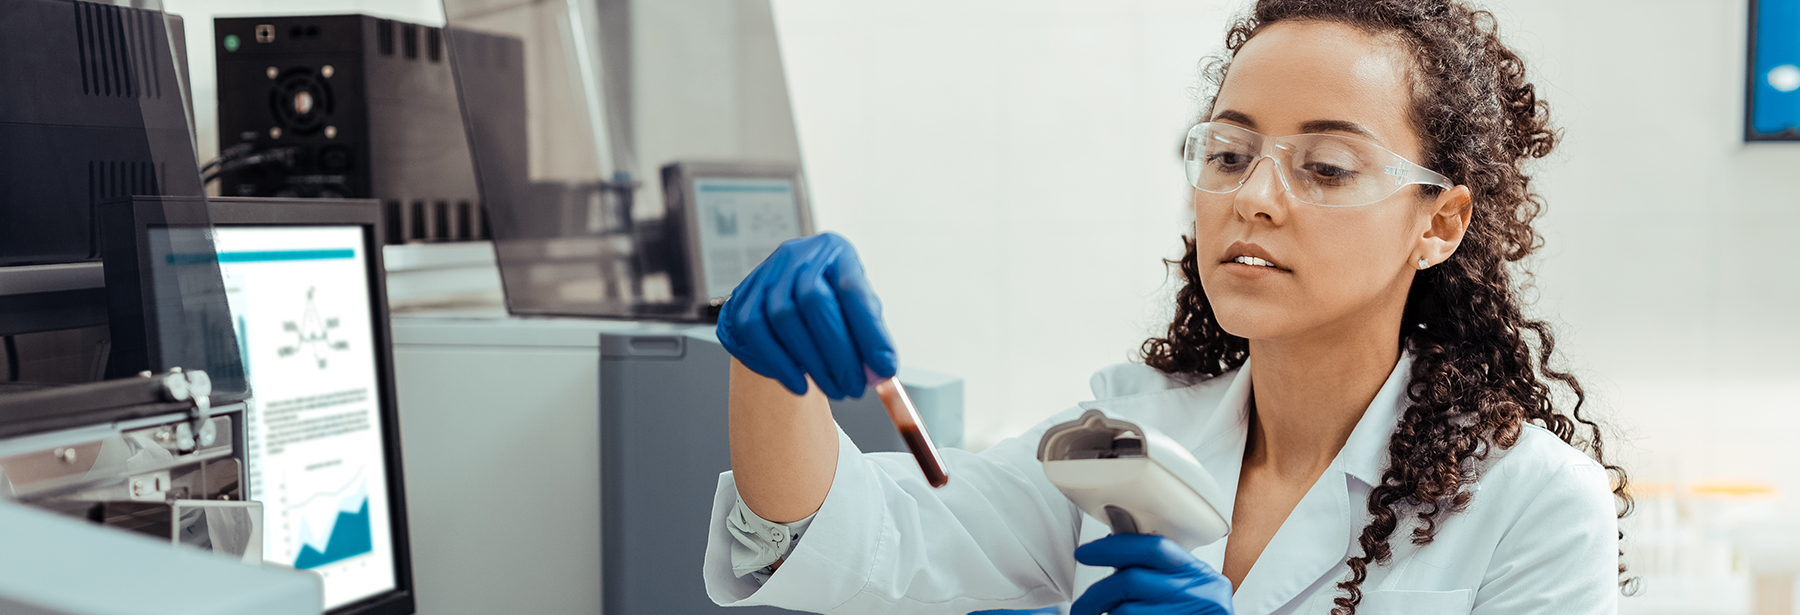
1007	169
1673	263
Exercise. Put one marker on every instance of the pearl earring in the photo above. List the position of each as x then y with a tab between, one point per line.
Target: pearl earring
1423	264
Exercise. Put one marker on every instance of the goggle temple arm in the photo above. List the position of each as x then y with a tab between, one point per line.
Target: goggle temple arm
1406	173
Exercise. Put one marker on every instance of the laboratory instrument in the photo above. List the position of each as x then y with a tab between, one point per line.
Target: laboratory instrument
720	221
615	104
95	109
351	106
157	454
127	496
1134	478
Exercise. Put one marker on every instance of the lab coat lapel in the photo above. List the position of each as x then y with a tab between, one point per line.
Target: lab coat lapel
1316	538
1311	543
1218	445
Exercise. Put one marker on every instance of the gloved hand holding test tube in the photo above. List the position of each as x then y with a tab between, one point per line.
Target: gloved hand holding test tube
808	312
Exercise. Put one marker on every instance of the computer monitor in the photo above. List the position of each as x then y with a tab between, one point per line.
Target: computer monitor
304	282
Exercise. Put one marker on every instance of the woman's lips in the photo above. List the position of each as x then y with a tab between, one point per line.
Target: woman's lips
1251	272
1249	260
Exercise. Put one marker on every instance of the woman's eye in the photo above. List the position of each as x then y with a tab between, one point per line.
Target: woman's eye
1230	161
1328	173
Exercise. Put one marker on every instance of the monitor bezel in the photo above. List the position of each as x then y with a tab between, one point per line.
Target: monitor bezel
150	212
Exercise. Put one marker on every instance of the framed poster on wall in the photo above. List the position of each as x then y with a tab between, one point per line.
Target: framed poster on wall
1772	97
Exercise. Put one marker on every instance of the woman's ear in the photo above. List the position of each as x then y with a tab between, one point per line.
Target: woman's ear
1448	221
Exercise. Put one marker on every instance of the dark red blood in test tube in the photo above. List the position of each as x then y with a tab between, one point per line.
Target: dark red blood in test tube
923	450
912	430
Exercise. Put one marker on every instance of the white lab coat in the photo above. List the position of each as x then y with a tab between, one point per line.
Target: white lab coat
1540	535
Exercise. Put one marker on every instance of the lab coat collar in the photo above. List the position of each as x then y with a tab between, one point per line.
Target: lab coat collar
1317	536
1365	453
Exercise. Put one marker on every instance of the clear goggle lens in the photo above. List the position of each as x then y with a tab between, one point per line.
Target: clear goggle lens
1321	169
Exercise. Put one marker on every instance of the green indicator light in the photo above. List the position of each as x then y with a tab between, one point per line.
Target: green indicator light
232	42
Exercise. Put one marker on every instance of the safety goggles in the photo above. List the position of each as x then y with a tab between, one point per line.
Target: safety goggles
1321	169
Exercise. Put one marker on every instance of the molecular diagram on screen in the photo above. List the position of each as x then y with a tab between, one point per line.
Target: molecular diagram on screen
312	334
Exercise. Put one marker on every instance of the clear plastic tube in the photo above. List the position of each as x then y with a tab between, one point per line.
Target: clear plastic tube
906	419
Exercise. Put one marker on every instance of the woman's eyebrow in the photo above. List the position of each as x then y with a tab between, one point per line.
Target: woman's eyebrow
1235	116
1314	126
1338	126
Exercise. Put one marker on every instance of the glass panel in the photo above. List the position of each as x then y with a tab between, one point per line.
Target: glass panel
542	143
190	324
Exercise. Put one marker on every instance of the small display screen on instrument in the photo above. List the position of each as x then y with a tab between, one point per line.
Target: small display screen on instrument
741	221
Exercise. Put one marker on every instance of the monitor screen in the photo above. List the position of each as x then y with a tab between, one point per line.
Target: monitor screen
741	221
1774	70
300	297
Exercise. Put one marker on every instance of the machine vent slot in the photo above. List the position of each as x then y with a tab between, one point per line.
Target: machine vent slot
409	40
440	220
465	220
394	223
113	179
416	225
384	36
434	44
109	180
116	47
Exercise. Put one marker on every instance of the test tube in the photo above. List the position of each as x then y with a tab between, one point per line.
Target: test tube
912	430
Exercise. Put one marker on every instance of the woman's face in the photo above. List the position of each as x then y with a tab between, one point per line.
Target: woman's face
1335	267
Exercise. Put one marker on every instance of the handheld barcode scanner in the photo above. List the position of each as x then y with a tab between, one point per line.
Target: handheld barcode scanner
1135	478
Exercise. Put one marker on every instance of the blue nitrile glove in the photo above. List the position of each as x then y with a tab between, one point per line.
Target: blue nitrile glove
1155	577
808	310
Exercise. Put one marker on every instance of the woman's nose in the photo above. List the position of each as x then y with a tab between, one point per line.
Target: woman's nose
1260	195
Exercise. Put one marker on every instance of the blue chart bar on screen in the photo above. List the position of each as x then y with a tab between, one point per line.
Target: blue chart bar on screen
1775	70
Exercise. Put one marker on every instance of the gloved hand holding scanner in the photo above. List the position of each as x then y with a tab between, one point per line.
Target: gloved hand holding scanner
1158	501
808	311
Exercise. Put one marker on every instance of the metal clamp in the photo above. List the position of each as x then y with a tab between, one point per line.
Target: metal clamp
195	387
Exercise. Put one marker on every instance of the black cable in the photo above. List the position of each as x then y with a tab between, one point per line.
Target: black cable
12	360
283	156
231	153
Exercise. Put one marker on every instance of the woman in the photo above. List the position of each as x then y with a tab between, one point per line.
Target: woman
1348	358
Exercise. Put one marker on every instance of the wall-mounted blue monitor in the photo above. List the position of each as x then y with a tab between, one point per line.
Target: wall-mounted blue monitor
1773	96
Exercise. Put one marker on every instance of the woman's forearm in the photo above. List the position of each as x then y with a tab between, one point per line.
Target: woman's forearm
784	447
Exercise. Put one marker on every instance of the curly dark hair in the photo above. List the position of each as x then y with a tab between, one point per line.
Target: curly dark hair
1481	368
